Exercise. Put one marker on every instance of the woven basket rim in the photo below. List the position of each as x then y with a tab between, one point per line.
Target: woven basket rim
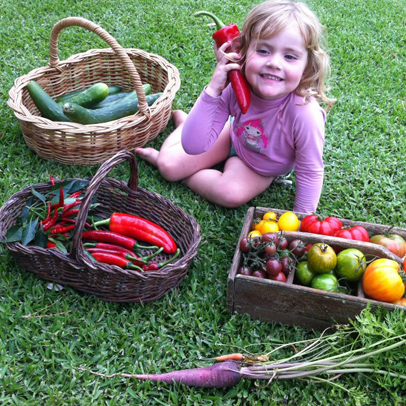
22	113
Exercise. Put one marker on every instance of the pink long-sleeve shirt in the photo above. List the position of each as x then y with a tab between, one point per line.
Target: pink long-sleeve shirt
272	138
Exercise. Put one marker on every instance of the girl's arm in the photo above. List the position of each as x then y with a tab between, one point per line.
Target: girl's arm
309	141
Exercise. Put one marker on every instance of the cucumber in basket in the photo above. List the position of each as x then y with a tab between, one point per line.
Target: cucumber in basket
90	96
112	98
113	89
124	107
47	106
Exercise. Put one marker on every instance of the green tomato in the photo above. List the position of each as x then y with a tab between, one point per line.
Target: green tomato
304	274
351	264
321	258
326	282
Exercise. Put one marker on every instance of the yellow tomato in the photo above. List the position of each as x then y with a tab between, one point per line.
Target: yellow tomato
288	221
257	224
254	233
270	215
269	226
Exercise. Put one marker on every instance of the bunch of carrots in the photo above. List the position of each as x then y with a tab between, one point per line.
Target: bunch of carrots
118	245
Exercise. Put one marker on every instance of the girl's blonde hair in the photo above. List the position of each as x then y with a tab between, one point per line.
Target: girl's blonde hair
270	18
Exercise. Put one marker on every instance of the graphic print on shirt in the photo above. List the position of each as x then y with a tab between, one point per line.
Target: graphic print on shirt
251	134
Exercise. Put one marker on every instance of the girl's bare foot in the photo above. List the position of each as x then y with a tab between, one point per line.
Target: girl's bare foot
178	117
148	154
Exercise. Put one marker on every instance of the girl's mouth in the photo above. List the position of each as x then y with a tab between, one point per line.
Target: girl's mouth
270	77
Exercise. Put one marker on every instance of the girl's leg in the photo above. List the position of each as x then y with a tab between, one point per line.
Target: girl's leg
234	187
172	161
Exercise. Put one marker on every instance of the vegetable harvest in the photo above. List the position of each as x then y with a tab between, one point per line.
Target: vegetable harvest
223	34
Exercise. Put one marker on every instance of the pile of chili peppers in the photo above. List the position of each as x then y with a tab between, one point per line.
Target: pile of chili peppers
116	246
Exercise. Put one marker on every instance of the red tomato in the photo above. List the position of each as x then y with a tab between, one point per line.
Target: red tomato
317	225
381	281
281	277
358	233
393	242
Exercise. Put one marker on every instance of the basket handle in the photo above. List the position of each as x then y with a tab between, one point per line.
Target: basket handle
93	187
117	48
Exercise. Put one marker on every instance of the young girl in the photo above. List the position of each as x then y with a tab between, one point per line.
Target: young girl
283	129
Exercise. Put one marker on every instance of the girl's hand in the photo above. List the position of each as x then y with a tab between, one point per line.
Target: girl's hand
225	63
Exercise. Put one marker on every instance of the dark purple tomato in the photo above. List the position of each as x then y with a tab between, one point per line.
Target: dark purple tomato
259	273
297	247
280	277
273	266
288	264
283	243
270	237
270	248
244	270
245	245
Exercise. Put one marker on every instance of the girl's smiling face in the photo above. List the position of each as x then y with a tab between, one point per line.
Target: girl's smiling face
274	66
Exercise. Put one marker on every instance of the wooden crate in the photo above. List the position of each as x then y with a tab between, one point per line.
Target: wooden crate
295	305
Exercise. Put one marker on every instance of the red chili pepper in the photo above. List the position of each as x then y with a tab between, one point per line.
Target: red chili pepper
50	244
127	255
141	229
112	259
154	266
70	206
75	194
112	237
48	217
70	213
61	228
52	179
224	34
61	197
52	221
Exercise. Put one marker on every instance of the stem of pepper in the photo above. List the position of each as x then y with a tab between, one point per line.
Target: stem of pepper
218	22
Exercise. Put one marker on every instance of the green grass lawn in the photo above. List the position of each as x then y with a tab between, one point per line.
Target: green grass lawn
46	336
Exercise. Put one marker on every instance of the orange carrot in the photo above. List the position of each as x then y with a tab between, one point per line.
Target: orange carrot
230	357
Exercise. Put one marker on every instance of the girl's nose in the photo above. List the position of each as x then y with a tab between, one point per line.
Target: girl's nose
274	61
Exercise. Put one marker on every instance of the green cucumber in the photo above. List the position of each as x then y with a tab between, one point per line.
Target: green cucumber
47	106
113	98
113	89
91	96
124	107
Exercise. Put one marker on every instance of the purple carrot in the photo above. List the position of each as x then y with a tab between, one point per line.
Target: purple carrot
220	375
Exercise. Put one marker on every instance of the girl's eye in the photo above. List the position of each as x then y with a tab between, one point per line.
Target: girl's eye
290	57
262	51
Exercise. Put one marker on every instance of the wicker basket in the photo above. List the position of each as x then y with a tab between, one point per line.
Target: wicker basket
109	282
78	144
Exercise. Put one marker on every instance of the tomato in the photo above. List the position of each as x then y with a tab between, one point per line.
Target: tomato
280	277
273	267
270	215
382	281
401	301
257	224
325	282
270	248
351	264
321	258
283	243
269	226
357	233
288	264
393	242
254	233
259	273
270	237
244	270
304	274
312	223
297	247
288	221
245	245
404	264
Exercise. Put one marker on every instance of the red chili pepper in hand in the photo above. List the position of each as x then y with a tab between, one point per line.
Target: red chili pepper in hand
114	238
224	34
141	229
154	266
113	259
